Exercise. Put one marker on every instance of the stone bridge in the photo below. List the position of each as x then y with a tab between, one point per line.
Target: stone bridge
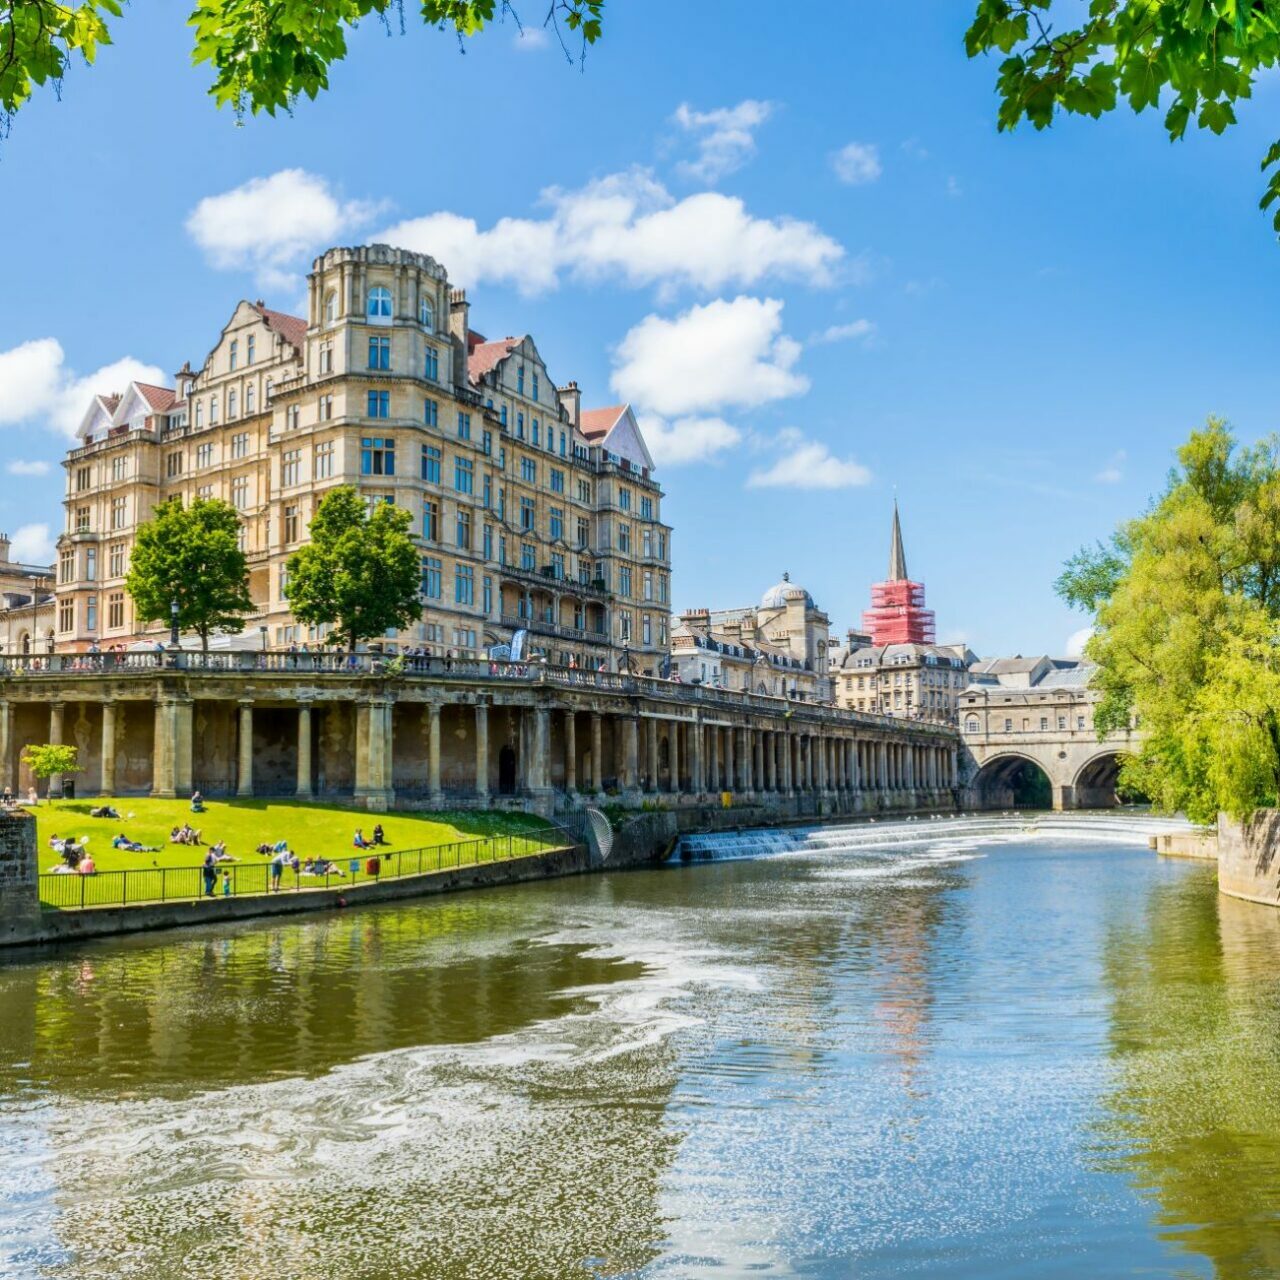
1011	736
431	732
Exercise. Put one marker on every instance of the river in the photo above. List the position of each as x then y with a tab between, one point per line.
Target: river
949	1049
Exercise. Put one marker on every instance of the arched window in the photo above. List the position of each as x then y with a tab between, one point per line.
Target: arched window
330	307
249	398
426	313
379	308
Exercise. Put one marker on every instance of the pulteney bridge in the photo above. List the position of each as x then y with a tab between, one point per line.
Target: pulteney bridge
1027	745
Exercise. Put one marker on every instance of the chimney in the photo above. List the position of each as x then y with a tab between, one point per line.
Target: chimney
459	316
4	548
571	402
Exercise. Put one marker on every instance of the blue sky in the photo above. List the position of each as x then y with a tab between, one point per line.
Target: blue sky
861	284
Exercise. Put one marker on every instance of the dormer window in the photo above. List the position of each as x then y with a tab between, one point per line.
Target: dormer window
378	310
426	313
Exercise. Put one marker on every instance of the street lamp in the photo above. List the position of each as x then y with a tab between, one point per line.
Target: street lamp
173	624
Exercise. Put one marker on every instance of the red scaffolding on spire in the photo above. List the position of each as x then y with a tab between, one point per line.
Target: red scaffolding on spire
897	614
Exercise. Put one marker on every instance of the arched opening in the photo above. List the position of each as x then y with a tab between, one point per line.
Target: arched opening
1013	782
507	771
1098	786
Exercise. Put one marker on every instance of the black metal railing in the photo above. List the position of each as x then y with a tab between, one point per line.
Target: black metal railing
147	885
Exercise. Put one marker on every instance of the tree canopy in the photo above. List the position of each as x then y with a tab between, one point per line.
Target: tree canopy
50	759
1186	606
191	555
359	573
264	54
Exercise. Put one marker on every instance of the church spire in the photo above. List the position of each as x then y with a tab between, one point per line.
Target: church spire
897	557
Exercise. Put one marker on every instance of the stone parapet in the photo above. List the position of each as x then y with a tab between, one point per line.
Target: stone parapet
19	892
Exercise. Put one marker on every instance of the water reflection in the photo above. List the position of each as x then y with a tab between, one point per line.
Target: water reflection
964	1055
1194	1117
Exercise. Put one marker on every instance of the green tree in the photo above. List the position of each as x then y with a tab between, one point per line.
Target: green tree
191	555
264	54
1196	59
359	572
50	760
1186	605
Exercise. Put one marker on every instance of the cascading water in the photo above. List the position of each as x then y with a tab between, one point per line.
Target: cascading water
950	833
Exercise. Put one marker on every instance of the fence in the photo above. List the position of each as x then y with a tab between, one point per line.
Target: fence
246	879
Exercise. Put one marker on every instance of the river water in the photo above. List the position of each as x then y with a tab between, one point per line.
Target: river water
948	1049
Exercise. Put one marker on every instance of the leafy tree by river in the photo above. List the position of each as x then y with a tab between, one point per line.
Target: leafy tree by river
1186	604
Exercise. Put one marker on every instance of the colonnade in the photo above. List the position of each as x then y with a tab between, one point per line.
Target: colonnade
373	747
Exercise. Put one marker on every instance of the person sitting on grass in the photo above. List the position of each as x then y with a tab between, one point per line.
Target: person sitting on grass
197	802
324	867
86	866
219	852
122	841
359	842
379	836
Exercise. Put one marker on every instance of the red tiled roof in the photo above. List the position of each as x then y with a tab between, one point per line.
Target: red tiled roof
110	403
293	329
159	398
484	357
474	339
599	422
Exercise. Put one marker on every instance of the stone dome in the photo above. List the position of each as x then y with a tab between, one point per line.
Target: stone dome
778	595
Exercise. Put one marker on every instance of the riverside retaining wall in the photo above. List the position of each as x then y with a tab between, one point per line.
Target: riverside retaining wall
1187	844
1249	857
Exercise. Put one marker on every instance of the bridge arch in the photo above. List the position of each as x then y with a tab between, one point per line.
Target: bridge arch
1096	783
1013	780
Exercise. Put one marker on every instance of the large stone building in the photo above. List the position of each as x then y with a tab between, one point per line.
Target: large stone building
777	647
530	513
26	604
912	681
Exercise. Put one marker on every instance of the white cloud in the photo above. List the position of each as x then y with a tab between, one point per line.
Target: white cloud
35	384
267	225
857	163
625	227
1077	640
808	464
1113	472
953	186
32	544
531	39
34	468
708	357
687	439
725	137
855	330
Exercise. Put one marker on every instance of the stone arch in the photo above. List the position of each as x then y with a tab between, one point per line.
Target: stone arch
1094	786
1013	780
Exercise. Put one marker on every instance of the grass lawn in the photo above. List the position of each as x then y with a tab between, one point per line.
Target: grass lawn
312	830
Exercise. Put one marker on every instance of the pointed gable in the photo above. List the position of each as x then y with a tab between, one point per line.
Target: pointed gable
97	417
484	357
616	430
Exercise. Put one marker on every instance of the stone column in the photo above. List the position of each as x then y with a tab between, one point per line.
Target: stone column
771	760
597	752
162	751
713	757
482	750
570	752
304	751
538	774
882	766
910	780
435	796
55	739
757	760
697	782
855	766
730	762
107	775
795	782
183	746
953	774
6	747
630	780
373	757
673	754
651	741
244	775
